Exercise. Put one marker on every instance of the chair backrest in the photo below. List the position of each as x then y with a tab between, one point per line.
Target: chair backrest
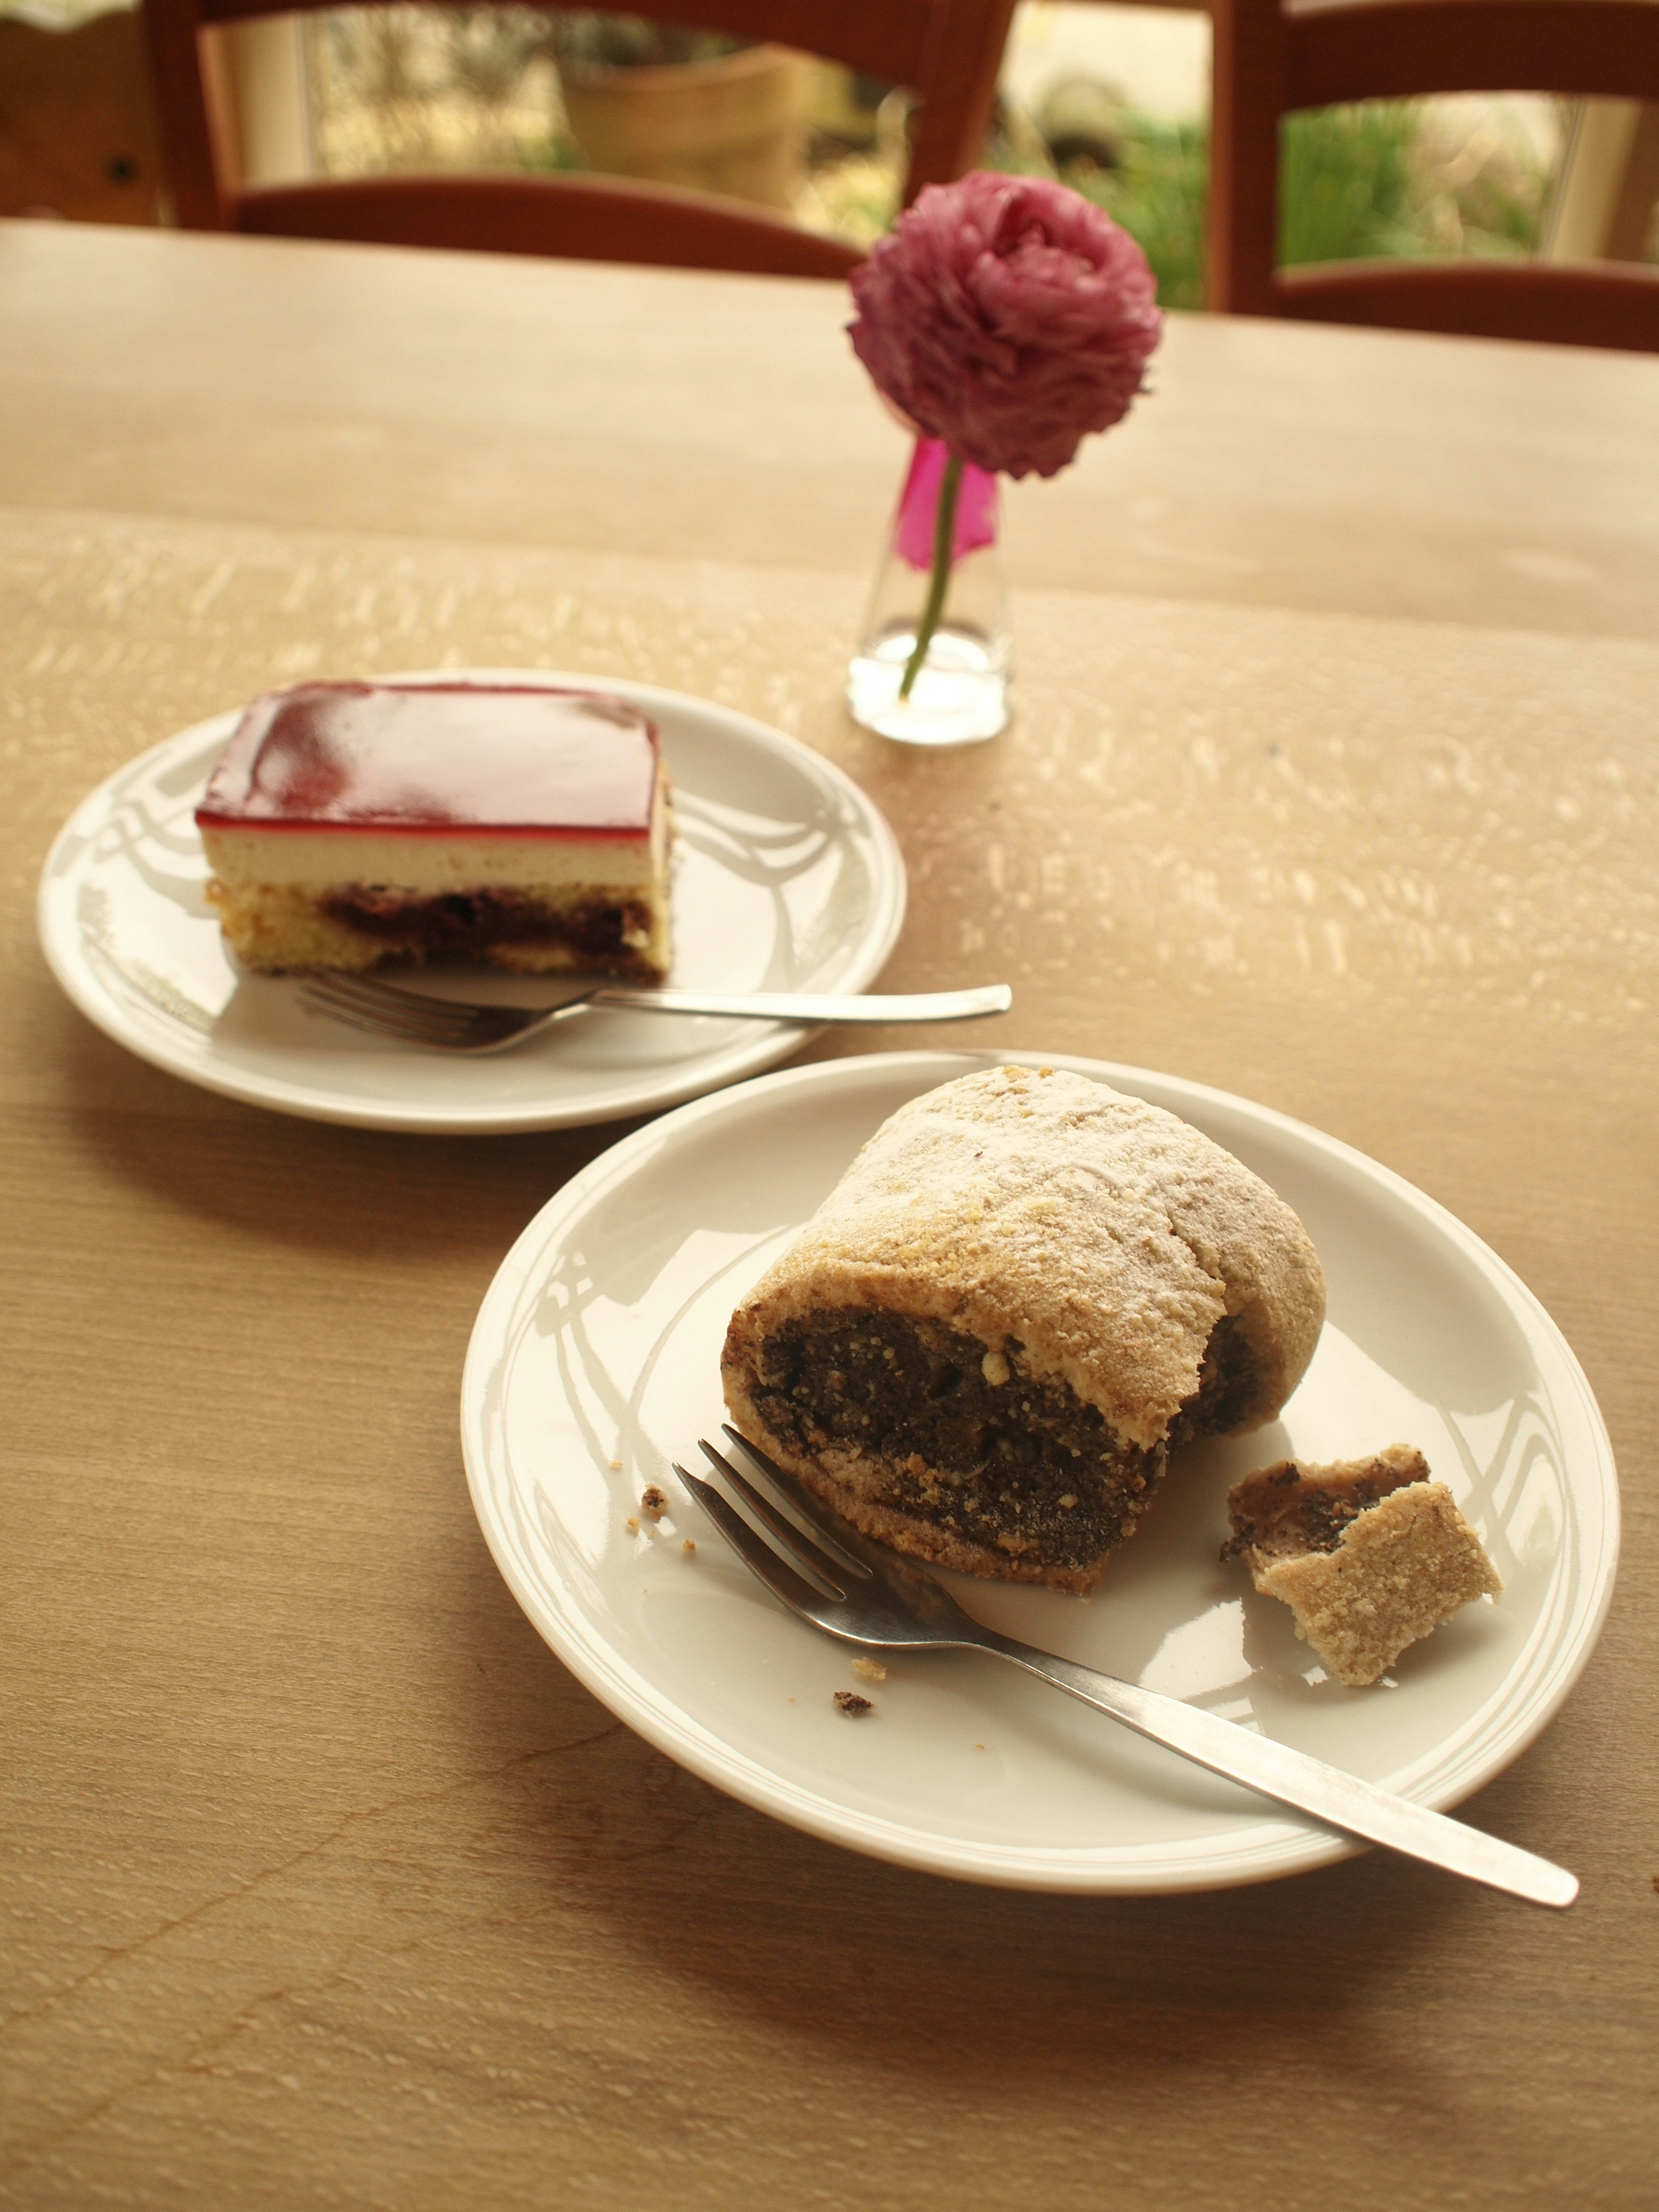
1269	62
946	52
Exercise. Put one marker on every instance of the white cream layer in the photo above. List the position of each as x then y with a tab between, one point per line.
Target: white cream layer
432	863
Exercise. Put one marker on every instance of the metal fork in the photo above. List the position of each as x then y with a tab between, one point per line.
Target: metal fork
865	1593
366	1002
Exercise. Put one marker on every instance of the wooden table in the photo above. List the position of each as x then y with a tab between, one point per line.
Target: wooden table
1333	783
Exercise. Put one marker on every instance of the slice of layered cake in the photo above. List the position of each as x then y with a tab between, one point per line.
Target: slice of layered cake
527	826
1369	1554
1025	1290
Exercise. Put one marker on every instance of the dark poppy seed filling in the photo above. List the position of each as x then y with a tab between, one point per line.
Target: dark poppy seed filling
1279	1512
1020	1466
1229	1381
598	933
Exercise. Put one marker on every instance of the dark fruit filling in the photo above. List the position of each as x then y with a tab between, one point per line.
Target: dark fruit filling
595	931
1018	1466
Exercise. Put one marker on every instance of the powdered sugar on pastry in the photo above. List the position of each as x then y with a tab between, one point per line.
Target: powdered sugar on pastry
1071	1279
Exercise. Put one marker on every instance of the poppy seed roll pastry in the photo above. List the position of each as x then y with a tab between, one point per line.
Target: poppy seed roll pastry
1024	1292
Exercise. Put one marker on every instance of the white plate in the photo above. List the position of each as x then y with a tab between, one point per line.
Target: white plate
594	1362
786	878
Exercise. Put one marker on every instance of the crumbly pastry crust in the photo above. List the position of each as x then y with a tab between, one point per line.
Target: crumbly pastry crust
1280	1511
1370	1555
1088	1245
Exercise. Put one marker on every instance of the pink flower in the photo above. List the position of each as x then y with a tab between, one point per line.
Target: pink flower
1009	317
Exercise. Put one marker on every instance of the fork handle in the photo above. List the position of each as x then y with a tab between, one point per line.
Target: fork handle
1341	1800
815	1005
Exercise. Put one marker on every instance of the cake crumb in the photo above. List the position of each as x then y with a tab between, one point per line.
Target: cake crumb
616	1467
848	1701
655	1502
872	1669
687	1546
632	1524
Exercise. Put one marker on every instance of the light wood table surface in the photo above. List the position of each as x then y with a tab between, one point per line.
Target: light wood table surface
1334	782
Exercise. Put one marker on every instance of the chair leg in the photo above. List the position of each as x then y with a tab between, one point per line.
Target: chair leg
960	75
1243	228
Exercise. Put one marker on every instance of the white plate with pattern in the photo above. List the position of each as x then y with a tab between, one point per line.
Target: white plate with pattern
786	878
594	1364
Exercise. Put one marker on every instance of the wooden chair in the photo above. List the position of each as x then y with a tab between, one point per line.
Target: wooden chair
76	137
946	51
1269	62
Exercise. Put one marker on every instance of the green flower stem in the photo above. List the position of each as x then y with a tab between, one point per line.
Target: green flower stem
944	531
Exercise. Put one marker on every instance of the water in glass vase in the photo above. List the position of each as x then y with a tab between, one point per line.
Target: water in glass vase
959	694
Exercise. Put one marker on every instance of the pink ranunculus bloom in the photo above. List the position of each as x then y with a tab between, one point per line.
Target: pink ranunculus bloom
1009	317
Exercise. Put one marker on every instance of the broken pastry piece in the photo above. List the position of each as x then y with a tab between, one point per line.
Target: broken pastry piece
1369	1554
1023	1293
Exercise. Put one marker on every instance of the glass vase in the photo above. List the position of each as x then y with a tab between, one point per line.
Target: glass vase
959	694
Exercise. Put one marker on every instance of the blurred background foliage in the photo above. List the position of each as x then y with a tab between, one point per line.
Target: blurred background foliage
396	87
1380	178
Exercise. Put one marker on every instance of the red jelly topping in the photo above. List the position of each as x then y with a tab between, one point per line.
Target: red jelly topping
432	757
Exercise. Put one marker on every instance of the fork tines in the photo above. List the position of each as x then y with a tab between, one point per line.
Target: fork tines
788	1587
369	1003
830	1565
832	1533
